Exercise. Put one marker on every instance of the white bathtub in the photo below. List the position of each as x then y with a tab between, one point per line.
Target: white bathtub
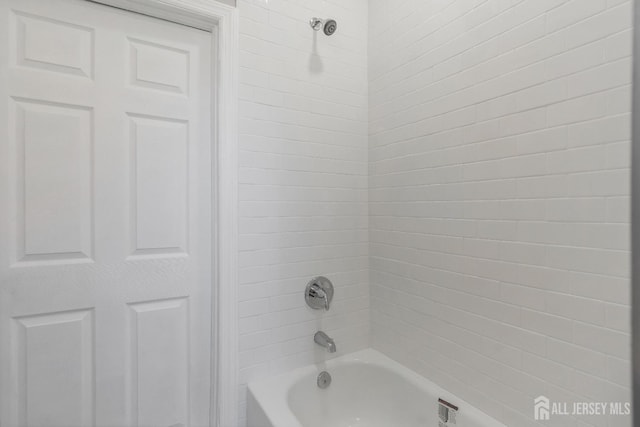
368	390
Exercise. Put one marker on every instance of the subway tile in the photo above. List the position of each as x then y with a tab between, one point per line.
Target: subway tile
538	174
464	183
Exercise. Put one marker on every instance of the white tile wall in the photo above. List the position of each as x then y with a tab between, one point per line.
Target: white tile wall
493	217
303	194
499	195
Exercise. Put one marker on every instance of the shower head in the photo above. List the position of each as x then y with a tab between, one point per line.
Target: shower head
329	26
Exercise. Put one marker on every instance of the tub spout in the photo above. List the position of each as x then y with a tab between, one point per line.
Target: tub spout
323	340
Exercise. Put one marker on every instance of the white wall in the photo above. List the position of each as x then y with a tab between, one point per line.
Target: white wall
499	196
304	211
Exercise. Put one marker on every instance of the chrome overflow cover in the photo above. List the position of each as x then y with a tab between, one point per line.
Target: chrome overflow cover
319	293
324	379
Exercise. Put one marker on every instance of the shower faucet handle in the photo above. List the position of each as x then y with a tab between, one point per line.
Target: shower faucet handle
316	292
319	293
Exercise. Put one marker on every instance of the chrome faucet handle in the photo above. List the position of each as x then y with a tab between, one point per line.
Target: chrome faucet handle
316	292
319	293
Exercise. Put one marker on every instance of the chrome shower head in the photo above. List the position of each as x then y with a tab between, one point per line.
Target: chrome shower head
329	26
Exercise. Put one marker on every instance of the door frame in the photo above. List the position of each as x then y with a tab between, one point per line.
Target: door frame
221	20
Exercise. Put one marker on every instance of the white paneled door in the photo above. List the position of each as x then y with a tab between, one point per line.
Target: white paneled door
105	213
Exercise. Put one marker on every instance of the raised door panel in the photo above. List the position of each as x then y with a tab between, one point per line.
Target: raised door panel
158	66
160	362
54	365
159	189
52	45
53	181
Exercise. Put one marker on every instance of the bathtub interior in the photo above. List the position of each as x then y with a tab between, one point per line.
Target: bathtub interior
361	394
368	389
